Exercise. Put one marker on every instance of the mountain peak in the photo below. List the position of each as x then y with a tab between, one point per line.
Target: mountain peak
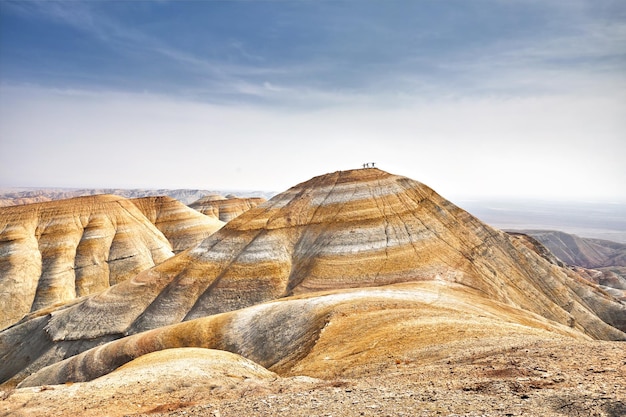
343	231
345	177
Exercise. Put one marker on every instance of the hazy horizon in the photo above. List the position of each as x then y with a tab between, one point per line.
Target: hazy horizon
484	99
590	219
457	198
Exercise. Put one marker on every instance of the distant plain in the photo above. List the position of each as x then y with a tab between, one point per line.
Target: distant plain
586	219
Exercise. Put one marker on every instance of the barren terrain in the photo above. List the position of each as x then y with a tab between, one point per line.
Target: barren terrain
514	376
355	293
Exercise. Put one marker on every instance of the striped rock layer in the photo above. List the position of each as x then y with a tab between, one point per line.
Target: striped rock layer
225	208
345	230
54	252
298	335
183	227
580	251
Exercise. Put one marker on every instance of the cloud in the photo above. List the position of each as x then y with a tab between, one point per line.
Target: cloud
392	50
486	97
542	147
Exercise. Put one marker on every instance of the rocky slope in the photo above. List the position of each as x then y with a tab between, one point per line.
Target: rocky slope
225	208
183	227
342	232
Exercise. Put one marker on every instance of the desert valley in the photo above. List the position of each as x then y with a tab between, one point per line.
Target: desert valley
354	293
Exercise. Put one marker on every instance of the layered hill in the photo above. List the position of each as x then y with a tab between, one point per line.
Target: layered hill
348	244
54	252
299	335
225	208
183	227
579	251
600	261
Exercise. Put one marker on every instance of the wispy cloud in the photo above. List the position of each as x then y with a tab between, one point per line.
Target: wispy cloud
126	40
78	15
375	51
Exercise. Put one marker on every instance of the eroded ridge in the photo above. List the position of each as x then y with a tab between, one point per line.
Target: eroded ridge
54	252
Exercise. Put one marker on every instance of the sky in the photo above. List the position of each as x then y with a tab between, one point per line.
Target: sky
481	98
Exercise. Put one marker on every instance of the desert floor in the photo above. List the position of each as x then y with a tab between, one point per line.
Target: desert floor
506	377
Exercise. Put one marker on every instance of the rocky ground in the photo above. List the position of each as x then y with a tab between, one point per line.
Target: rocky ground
512	377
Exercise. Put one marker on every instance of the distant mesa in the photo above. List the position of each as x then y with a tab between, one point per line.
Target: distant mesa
6	201
54	252
584	252
21	196
225	208
359	243
600	261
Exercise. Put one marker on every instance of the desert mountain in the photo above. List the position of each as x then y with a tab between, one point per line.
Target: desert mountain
385	252
225	208
184	228
54	252
579	251
600	261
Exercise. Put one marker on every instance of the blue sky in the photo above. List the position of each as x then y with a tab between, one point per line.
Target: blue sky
474	98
